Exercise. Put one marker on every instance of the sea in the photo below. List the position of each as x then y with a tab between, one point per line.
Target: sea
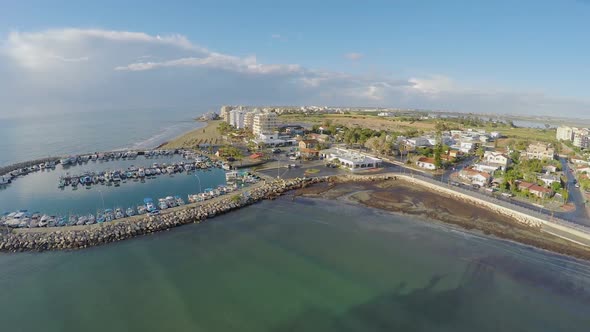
284	265
302	265
25	138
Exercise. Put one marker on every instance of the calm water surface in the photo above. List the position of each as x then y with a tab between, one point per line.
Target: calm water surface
303	266
32	137
39	191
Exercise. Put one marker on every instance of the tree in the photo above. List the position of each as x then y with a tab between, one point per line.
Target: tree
480	151
437	158
378	144
224	128
555	186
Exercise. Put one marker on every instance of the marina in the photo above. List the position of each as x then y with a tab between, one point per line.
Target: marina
35	196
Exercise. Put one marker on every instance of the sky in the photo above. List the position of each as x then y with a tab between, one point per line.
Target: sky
508	57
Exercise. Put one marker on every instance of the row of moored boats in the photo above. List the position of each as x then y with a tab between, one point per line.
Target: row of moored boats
115	177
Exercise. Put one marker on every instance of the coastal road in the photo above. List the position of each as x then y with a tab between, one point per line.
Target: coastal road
580	214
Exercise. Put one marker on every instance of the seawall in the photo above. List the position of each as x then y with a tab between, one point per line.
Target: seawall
568	233
93	235
98	234
7	169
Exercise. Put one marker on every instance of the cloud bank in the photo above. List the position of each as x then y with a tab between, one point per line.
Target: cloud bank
94	68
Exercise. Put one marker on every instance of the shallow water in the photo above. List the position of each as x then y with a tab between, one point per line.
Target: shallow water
39	191
298	266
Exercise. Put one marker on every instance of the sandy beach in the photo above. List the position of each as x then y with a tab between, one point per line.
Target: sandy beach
205	135
399	196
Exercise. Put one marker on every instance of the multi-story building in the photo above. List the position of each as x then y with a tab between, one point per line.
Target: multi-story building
224	113
264	123
236	118
582	138
493	157
249	119
540	151
565	133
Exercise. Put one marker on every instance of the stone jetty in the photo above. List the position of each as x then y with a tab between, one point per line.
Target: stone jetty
7	169
67	239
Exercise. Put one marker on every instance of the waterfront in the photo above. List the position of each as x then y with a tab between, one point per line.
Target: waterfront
42	135
39	191
307	265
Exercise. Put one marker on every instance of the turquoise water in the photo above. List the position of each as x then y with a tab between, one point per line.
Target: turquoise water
39	191
39	136
297	266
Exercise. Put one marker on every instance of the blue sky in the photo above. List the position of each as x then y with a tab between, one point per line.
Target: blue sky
529	57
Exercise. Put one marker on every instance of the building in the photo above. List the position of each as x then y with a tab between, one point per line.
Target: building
549	179
309	148
497	158
351	160
487	167
540	151
475	177
224	113
582	138
565	133
249	120
415	142
549	169
468	146
534	189
578	161
236	118
426	163
264	123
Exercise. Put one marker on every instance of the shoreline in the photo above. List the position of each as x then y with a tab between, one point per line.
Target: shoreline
195	138
402	197
375	192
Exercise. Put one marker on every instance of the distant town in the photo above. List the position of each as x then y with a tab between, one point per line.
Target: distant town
539	165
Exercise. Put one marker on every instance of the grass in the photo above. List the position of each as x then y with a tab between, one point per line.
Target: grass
395	124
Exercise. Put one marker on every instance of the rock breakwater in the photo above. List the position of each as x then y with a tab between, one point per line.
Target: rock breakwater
68	239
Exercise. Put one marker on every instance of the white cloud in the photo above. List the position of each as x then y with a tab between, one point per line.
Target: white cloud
218	61
353	56
433	84
91	67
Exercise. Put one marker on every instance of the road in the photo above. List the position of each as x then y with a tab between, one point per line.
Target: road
578	216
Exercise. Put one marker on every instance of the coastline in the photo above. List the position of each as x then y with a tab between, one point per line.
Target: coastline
405	198
203	136
384	192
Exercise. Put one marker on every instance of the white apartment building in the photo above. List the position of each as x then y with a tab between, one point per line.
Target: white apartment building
249	119
582	138
264	123
236	118
224	112
565	133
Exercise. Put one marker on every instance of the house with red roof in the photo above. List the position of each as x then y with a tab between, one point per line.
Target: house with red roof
426	163
535	189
